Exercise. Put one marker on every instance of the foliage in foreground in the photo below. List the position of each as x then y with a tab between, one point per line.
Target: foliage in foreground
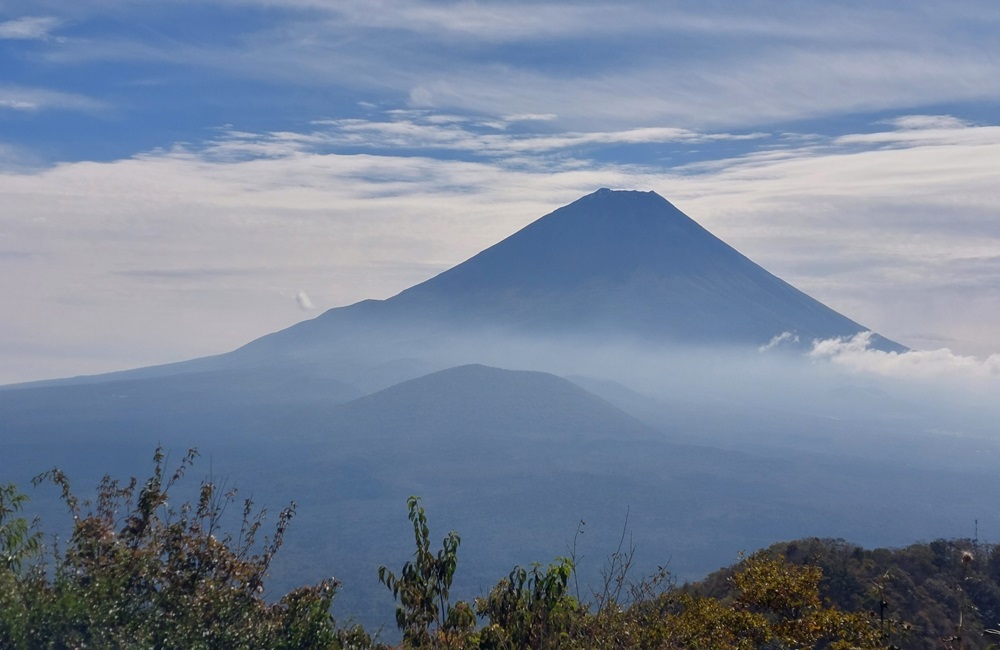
136	572
774	604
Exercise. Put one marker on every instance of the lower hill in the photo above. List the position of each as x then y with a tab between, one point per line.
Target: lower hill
481	402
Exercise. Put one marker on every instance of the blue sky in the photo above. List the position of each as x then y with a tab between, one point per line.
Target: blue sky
178	177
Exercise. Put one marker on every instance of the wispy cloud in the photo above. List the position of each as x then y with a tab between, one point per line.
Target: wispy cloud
28	28
926	129
21	98
185	274
927	122
17	104
777	84
725	66
520	21
780	339
419	130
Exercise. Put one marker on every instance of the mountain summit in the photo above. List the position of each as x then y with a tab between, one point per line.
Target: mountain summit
622	265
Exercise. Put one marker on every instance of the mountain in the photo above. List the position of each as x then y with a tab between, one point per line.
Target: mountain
611	266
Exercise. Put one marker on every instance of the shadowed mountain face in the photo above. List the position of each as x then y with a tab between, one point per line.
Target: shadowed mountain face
615	265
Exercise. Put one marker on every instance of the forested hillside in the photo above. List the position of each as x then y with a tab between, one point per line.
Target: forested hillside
941	594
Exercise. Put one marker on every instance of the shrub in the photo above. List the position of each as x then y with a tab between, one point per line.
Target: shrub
139	573
424	613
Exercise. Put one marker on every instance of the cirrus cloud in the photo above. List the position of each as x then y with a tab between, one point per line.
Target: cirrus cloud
28	28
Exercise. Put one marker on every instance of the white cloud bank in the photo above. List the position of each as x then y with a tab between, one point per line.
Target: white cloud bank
857	355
